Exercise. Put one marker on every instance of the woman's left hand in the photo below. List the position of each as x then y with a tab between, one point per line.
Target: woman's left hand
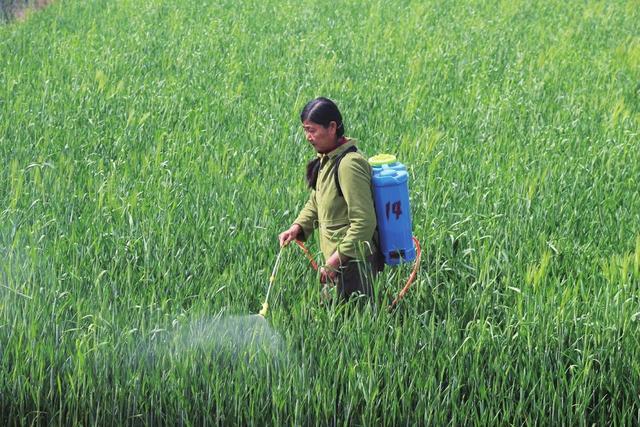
329	272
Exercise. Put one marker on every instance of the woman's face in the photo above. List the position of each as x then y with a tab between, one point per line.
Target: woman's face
322	138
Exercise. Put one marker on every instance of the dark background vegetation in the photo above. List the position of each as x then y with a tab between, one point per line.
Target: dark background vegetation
11	9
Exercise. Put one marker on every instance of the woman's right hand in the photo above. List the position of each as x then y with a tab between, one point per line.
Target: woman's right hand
289	235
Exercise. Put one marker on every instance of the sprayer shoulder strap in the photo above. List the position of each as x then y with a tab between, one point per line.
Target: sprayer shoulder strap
336	165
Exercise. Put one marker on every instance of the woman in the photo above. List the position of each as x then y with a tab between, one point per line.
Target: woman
340	204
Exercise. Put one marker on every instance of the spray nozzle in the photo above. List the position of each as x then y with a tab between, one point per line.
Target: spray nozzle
265	308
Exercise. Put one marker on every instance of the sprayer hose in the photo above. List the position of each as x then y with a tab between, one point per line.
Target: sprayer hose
406	287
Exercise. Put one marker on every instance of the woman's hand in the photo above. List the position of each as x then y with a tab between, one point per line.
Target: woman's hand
289	235
329	272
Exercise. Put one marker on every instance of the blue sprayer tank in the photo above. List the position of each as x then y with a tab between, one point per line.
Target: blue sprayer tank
391	199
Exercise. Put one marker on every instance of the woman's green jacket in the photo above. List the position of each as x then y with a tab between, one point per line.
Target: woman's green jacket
346	223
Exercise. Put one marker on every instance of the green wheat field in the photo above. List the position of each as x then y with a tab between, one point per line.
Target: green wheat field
151	152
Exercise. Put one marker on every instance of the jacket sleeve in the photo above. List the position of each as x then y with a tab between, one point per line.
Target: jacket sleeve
355	180
308	217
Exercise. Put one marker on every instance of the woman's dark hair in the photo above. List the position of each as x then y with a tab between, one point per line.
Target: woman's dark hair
323	111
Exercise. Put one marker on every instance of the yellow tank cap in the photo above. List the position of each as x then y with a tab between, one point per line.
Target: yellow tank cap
382	159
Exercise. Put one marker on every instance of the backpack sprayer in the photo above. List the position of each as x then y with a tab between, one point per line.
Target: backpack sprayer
391	199
390	181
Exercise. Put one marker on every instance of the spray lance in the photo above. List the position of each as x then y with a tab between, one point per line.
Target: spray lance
272	278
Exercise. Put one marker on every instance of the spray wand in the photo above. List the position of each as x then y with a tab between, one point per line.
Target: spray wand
265	305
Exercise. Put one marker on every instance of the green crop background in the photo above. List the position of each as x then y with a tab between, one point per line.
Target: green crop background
151	152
